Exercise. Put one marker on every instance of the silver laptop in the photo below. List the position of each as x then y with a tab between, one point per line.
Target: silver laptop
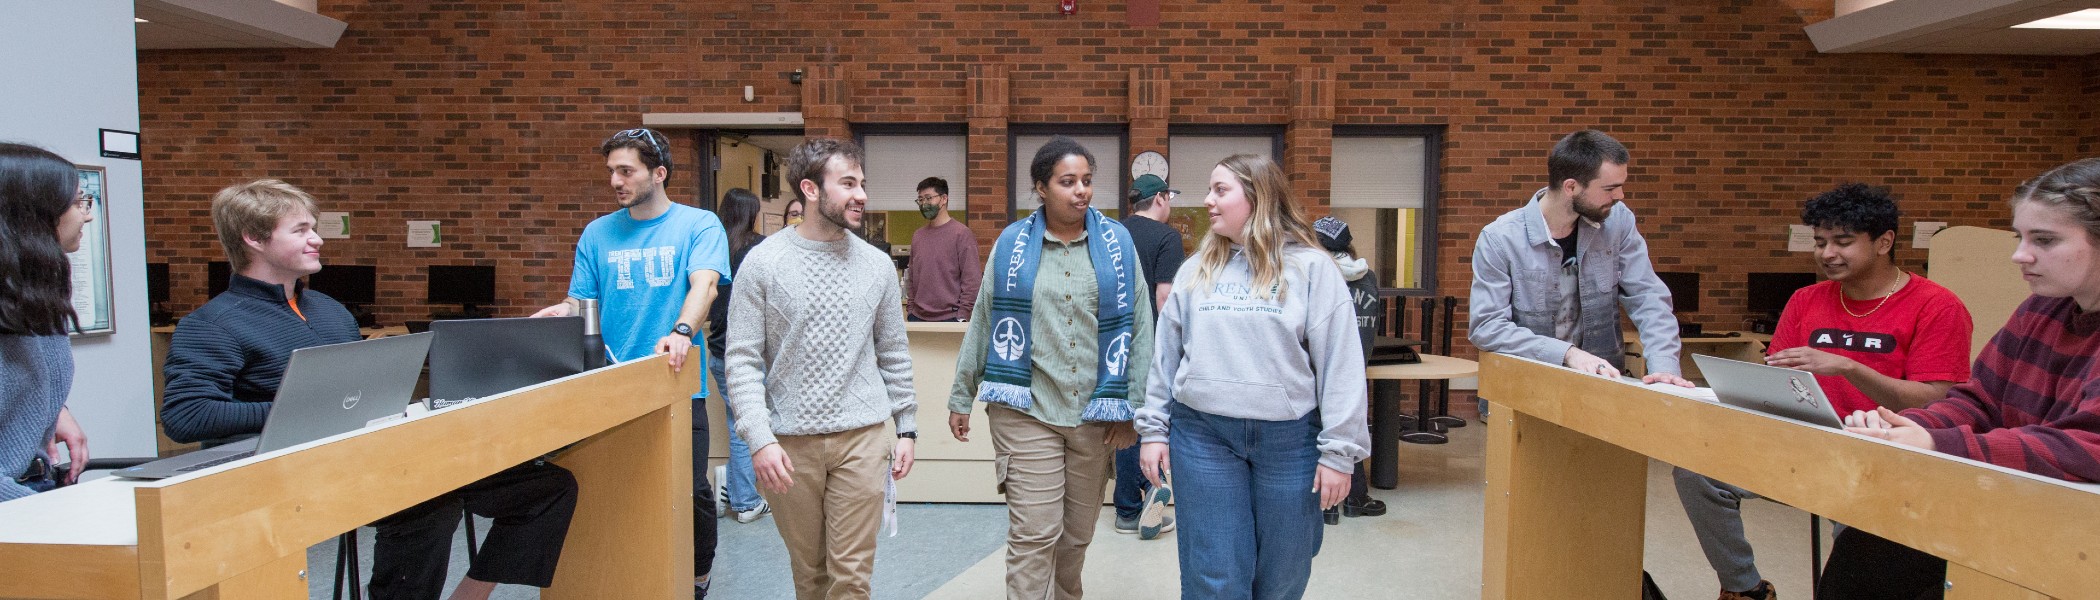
1770	390
326	390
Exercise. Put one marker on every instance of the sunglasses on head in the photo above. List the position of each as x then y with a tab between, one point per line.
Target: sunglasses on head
647	135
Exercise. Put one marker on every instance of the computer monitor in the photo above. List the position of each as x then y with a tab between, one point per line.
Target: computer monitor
483	357
466	285
1768	292
156	282
352	285
1684	290
217	276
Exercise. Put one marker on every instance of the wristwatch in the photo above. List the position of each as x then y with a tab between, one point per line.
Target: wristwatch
908	435
683	329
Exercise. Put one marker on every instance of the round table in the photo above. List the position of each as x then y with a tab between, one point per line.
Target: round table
1386	417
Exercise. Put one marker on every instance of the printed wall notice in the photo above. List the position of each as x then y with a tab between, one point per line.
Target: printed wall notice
1922	233
424	234
333	225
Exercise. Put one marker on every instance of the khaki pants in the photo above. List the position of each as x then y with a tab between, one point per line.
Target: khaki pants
1053	479
830	516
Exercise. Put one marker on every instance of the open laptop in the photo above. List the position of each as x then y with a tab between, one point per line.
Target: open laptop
472	358
1770	390
326	390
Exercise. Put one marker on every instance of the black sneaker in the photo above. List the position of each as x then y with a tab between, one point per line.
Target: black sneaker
1367	507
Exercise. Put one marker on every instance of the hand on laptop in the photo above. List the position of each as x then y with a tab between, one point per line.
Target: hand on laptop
1812	360
1886	424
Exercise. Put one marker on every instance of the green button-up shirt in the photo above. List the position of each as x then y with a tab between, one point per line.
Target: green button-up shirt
1065	341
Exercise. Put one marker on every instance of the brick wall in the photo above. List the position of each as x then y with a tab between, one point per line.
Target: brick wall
2089	144
484	115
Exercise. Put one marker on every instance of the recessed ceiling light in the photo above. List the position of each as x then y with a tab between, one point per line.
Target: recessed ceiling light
2084	19
139	20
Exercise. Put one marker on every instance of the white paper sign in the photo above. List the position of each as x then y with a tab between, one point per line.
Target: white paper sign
333	225
424	234
1800	238
1922	233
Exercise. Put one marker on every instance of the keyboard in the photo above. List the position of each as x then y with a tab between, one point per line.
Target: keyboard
217	461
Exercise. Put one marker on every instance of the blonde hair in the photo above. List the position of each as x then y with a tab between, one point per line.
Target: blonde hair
1273	221
252	210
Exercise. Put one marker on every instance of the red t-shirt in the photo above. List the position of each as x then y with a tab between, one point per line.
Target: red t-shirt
1921	334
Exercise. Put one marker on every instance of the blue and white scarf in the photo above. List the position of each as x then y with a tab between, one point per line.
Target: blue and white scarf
1008	369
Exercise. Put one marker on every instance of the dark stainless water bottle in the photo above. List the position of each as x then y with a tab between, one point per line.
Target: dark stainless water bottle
593	339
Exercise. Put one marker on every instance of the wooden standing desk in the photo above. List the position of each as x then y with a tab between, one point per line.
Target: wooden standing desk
1567	476
241	530
1385	408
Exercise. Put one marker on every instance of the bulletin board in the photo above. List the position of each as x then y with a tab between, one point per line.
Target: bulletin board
90	264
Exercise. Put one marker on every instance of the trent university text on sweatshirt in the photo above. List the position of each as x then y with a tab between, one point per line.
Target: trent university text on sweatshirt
1224	351
816	340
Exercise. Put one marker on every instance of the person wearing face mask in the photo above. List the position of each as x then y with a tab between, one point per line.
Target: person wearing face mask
1257	392
944	264
1058	347
792	212
41	218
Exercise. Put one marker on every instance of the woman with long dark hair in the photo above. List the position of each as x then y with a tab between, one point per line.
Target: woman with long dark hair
41	219
739	211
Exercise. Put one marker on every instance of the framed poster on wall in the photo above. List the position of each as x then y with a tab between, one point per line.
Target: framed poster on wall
90	264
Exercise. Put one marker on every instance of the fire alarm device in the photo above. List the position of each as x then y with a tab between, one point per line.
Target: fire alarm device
1068	7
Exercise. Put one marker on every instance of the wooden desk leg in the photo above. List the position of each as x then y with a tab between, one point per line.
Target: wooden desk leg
284	578
633	532
1564	513
1971	585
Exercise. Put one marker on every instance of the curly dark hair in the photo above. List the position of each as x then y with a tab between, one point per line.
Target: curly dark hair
1853	207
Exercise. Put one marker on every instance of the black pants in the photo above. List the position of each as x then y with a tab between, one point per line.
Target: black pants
703	496
1864	566
531	505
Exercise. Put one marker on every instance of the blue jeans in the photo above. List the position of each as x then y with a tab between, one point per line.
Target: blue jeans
1249	519
1130	484
740	485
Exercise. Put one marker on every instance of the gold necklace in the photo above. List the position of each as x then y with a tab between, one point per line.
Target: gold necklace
1877	306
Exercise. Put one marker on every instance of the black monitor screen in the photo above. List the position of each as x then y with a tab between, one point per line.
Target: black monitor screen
217	276
348	284
1684	291
1770	291
450	284
156	282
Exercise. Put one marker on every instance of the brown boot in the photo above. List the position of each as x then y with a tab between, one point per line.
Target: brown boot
1762	586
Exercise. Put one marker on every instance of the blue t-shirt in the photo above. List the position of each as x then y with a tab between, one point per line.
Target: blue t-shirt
639	272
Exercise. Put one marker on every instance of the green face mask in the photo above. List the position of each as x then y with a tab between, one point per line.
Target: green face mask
929	210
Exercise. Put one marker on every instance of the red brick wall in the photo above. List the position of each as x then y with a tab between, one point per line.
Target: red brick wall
2088	113
485	114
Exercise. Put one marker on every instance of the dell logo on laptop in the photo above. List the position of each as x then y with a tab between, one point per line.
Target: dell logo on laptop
350	401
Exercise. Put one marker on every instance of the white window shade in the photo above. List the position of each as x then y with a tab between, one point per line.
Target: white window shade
1108	169
1191	158
897	163
1378	172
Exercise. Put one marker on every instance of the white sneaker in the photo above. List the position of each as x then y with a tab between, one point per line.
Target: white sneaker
747	516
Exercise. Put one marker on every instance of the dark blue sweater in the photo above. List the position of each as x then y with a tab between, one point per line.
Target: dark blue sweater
226	359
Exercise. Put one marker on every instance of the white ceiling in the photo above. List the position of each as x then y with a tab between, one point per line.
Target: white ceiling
192	24
1953	27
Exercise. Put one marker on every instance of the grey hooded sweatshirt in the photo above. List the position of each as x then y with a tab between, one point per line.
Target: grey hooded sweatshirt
1223	351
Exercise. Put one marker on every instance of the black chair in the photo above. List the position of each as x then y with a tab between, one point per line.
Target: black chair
1430	421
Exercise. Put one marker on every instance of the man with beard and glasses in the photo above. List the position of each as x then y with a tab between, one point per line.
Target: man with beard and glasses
817	359
653	266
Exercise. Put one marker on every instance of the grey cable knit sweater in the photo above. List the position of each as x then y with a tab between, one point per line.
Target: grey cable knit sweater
37	376
816	340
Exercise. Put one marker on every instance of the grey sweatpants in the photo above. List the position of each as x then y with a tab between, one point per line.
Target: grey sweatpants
1716	510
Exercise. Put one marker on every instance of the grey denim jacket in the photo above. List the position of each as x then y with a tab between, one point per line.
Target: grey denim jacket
1516	290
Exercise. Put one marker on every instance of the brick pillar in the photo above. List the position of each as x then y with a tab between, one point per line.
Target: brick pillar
1308	150
990	87
1150	105
824	103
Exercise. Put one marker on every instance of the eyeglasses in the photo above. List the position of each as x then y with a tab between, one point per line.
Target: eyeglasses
84	204
647	135
929	198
